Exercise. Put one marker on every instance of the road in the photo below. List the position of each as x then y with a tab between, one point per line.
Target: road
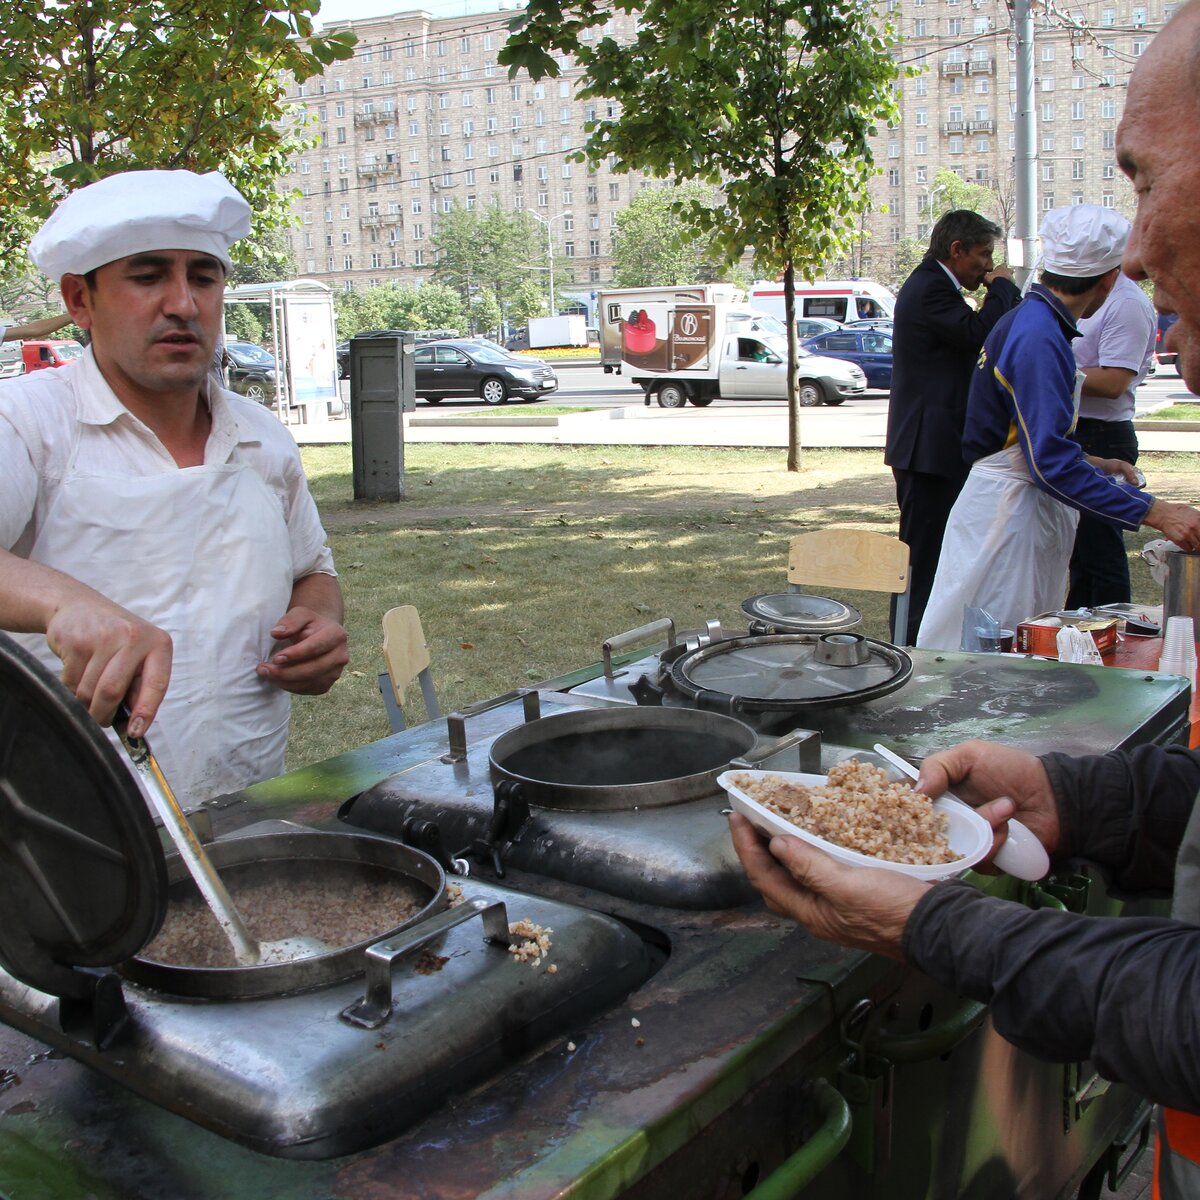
588	386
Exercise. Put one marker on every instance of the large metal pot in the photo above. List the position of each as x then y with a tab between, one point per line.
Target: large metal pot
306	854
618	758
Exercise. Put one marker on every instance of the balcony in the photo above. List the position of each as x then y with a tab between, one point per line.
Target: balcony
954	68
981	66
983	126
954	126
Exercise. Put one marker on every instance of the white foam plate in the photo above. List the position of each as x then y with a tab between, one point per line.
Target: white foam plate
969	835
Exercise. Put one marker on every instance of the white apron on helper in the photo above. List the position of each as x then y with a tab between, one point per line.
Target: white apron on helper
1006	549
204	554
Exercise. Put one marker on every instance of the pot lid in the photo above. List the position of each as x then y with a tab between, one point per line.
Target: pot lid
798	612
82	873
793	672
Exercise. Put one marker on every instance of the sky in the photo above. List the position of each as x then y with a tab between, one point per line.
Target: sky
351	10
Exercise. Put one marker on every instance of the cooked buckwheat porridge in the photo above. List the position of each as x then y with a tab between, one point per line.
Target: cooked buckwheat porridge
860	809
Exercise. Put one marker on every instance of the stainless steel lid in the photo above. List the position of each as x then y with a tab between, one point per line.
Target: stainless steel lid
797	612
82	874
792	672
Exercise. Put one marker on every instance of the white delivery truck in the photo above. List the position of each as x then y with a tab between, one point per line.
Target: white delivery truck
839	300
614	306
557	331
681	352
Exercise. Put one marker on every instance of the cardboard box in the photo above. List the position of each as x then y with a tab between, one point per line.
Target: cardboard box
1033	638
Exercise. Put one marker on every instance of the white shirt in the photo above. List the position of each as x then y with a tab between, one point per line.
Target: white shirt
40	414
1120	334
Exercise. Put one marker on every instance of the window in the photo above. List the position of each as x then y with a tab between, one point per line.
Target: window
921	145
594	248
1047	110
418	258
1077	168
1076	110
922	174
1047	172
418	232
468	99
921	116
955	144
1108	108
347	263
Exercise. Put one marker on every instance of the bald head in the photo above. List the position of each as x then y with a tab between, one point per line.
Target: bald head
1158	147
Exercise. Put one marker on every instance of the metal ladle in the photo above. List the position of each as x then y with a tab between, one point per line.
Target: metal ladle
247	949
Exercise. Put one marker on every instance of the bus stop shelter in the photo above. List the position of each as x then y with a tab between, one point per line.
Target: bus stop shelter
304	344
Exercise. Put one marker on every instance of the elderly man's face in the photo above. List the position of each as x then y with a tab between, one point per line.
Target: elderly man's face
154	319
1158	147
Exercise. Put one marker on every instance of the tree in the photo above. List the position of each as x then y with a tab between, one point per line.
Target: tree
774	101
485	314
652	248
431	306
242	323
89	88
528	301
489	251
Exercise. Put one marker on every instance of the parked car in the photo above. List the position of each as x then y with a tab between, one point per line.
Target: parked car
251	371
459	369
807	327
1167	358
884	323
423	335
871	349
45	354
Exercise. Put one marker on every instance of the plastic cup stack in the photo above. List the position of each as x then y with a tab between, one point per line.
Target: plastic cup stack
1179	648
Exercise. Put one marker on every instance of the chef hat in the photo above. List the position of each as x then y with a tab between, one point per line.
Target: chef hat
1083	240
138	211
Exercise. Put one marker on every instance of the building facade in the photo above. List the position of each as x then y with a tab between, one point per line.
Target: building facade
423	119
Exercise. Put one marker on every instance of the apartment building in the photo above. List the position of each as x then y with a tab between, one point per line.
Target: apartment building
959	112
423	119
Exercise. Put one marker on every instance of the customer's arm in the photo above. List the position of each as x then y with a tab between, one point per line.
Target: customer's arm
35	329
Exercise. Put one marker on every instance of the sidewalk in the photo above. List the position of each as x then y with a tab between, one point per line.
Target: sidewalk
748	425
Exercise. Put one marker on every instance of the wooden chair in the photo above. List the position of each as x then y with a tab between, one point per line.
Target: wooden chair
407	658
843	557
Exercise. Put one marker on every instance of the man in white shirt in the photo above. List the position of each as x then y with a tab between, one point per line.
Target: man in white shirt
1114	353
158	544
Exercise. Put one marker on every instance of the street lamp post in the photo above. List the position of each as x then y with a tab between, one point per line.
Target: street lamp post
548	222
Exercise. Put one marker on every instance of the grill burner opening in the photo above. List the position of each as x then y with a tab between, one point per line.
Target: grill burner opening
640	756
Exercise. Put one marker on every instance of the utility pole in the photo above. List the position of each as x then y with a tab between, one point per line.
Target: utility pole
1025	166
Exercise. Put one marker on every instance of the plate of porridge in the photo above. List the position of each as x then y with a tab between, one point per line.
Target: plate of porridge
860	815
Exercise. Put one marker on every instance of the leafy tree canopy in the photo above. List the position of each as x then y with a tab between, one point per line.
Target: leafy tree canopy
431	306
653	247
494	251
92	87
773	101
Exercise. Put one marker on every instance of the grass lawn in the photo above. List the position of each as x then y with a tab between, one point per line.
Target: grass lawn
522	560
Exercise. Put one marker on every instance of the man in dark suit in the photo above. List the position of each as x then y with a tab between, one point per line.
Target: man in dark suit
936	340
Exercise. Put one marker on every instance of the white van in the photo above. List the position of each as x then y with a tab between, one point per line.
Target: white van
839	300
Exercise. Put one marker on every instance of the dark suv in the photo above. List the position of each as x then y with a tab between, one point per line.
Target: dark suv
461	369
251	371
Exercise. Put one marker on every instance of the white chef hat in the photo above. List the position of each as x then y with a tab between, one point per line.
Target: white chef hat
1083	240
138	211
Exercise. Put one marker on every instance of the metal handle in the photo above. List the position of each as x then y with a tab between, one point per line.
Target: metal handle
631	637
806	743
816	1154
937	1040
370	1011
456	722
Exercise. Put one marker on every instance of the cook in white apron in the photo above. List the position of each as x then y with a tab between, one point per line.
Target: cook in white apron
1006	549
204	554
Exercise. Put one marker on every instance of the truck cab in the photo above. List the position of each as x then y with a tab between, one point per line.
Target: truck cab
40	355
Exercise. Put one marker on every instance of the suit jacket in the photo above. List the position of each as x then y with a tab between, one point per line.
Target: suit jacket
936	339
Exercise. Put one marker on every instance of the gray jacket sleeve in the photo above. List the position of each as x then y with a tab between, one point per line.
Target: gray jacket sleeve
1124	991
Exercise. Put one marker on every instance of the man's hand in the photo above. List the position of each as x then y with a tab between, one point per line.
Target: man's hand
1001	782
998	273
110	655
1115	466
862	907
312	655
1180	523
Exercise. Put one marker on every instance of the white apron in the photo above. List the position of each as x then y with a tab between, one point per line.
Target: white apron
1006	550
203	553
